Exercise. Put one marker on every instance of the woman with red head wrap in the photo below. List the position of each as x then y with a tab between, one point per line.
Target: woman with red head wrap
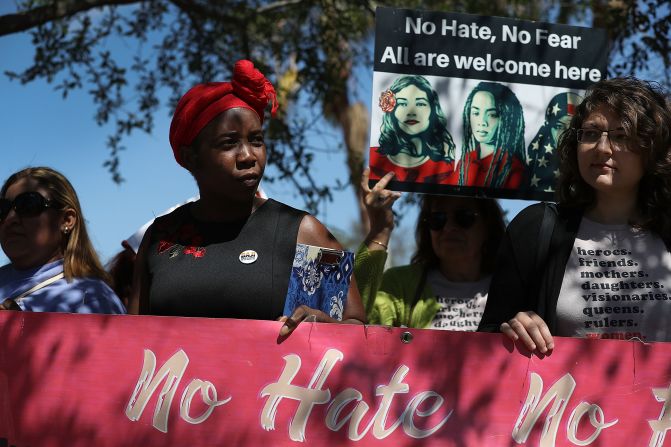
228	254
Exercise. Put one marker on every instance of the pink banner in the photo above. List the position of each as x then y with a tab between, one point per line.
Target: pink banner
92	380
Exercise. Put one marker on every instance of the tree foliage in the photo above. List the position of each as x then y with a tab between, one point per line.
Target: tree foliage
310	49
307	48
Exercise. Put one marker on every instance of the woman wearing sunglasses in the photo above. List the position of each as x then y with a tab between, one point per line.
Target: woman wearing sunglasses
229	254
445	285
608	268
53	265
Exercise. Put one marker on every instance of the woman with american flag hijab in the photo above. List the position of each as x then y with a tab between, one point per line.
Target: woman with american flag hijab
543	159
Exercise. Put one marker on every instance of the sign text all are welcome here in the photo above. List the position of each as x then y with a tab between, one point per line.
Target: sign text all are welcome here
481	47
403	56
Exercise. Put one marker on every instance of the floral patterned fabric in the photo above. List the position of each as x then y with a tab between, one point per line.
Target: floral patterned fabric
318	282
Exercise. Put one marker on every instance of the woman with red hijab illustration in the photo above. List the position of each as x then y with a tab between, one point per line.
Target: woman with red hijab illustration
414	142
493	152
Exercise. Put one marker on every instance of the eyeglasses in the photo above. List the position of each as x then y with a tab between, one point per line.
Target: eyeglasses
619	140
27	204
464	218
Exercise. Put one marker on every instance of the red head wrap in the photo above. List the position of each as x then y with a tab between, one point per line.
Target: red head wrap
204	102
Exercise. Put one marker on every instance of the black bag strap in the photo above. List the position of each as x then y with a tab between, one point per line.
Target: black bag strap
543	249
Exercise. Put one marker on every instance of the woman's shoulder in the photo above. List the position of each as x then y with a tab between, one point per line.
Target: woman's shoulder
88	286
312	232
6	271
401	282
403	272
288	217
78	295
11	277
275	205
172	219
179	211
530	218
94	296
531	212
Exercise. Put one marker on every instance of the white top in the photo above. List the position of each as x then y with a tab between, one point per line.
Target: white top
615	285
462	303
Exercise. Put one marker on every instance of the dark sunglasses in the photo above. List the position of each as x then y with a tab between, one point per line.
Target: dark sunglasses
27	204
462	217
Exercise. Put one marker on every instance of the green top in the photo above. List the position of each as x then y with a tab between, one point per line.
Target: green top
387	297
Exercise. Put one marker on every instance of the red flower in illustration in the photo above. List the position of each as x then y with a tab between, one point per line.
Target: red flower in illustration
387	101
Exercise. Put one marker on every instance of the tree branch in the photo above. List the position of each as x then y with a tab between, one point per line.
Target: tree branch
206	11
25	20
277	5
189	7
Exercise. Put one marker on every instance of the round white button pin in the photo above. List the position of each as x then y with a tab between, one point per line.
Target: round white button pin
248	256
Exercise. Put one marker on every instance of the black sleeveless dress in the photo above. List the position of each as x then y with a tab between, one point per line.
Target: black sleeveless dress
225	270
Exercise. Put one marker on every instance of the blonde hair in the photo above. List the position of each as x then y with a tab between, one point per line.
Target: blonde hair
80	260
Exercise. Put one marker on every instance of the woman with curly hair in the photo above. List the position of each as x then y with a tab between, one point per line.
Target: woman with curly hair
608	266
414	142
493	151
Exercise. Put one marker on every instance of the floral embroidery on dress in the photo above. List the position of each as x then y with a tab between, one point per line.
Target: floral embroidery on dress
191	241
197	252
164	245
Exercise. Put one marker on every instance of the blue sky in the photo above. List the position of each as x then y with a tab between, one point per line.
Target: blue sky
39	127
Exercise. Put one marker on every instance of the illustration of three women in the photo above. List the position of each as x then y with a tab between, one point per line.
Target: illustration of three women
415	144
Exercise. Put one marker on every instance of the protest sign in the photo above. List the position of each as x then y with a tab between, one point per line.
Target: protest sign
474	105
97	380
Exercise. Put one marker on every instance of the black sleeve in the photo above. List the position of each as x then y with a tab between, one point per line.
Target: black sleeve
515	264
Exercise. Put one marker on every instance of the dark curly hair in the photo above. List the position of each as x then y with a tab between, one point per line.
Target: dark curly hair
645	111
494	223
